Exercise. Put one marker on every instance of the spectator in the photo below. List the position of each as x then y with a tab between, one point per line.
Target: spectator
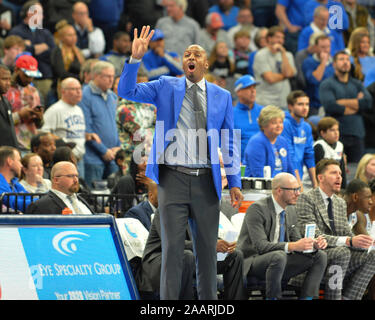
57	11
323	207
319	24
44	145
219	61
91	39
290	15
10	172
361	55
299	135
245	22
267	239
65	119
32	174
345	99
99	107
241	52
85	75
158	61
23	95
38	41
267	147
135	124
120	51
317	68
180	30
328	145
66	58
62	198
120	160
197	10
260	41
106	16
338	19
213	33
12	46
246	112
273	67
358	17
7	131
7	20
228	12
366	168
264	13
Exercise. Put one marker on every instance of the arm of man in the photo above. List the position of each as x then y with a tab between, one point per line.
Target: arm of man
288	68
280	13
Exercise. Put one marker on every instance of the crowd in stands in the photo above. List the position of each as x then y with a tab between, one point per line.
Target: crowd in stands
301	74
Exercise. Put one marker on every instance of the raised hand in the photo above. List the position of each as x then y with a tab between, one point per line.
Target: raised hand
140	44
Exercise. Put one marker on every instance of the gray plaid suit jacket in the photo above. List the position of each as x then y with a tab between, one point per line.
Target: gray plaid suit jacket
312	209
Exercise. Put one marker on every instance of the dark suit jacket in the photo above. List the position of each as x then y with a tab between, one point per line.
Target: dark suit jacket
50	204
142	212
7	131
258	230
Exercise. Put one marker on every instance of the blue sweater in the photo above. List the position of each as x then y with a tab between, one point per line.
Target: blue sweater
161	66
300	139
100	118
37	37
106	11
5	187
247	121
309	65
331	90
259	153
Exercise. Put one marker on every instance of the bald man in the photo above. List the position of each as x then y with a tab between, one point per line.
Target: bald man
90	39
272	245
65	119
63	194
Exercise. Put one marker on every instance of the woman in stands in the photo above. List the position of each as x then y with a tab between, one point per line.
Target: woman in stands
366	168
32	174
267	147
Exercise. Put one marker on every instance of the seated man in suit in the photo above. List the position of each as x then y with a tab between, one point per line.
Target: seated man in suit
272	244
62	198
350	267
231	267
144	210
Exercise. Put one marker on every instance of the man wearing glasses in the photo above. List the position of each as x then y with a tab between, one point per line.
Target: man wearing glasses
272	245
62	198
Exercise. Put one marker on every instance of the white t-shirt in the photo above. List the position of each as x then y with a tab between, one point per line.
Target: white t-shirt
67	122
275	93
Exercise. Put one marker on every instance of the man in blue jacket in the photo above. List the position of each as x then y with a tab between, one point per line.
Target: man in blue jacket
99	108
299	135
189	184
246	111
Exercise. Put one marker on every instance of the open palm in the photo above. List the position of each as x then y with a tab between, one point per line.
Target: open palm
140	44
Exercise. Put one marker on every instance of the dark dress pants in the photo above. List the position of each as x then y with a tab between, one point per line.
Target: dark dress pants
188	199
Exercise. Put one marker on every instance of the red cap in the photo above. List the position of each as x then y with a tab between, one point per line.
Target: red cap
29	65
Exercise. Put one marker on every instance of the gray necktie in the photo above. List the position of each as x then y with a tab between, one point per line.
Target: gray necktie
200	122
74	203
200	119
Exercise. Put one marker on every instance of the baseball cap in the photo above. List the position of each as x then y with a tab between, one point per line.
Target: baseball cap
29	65
158	35
214	20
244	82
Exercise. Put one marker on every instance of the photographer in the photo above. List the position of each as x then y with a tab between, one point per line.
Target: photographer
25	100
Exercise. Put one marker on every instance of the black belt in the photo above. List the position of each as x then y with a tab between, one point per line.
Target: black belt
190	171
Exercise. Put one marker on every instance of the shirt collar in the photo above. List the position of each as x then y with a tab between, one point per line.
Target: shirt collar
152	207
201	84
278	208
62	195
324	195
